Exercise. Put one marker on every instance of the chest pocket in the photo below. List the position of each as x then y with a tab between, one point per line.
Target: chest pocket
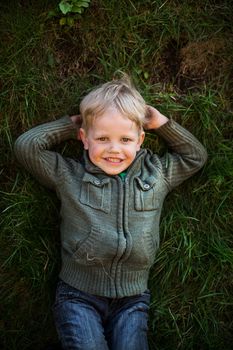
146	194
96	193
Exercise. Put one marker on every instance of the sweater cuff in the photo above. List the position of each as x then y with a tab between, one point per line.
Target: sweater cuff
171	131
170	123
66	121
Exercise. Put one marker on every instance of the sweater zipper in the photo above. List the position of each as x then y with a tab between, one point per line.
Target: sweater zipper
124	245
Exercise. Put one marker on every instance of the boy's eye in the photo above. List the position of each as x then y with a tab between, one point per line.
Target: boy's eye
126	139
102	139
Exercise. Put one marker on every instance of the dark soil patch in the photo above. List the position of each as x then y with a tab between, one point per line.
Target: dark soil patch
190	64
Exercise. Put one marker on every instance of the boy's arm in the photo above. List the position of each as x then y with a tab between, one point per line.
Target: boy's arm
32	149
186	154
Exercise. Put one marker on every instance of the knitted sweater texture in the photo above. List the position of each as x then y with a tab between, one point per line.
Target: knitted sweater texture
109	227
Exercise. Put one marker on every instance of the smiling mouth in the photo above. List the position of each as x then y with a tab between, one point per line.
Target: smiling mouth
113	160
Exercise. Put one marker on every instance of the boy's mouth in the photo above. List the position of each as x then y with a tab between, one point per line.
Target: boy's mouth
113	160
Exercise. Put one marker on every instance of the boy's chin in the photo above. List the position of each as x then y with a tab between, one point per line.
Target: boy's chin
113	171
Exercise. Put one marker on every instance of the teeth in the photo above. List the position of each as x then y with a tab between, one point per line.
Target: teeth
114	160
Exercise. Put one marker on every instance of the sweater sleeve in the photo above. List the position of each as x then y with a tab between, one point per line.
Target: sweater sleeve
33	150
186	155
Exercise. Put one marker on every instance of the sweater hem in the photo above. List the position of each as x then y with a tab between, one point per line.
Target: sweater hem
98	281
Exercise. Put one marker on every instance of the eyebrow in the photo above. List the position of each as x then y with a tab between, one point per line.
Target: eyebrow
108	135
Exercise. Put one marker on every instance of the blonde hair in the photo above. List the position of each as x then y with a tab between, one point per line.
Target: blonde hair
120	94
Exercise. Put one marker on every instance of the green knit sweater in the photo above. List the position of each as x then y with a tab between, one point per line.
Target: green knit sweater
109	227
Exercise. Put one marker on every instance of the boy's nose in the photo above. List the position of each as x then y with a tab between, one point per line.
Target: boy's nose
114	147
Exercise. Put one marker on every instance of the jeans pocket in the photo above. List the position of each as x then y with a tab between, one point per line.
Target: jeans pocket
146	297
64	292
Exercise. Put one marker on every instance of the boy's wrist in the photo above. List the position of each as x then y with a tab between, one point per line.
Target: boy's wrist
154	119
76	120
156	124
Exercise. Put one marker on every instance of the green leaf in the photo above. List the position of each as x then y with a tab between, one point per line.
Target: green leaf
83	3
52	13
62	21
65	7
138	71
70	21
77	9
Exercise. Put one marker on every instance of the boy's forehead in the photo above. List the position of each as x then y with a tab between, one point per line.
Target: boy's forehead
116	121
112	117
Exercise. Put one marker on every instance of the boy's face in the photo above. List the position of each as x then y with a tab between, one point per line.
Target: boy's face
112	141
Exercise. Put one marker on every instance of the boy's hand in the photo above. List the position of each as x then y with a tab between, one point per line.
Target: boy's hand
77	121
154	119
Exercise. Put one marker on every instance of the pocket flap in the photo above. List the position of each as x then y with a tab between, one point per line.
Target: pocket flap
89	178
146	184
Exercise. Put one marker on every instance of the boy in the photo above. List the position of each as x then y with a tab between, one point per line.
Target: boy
111	203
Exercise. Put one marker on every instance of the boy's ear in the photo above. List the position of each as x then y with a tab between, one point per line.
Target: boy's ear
83	137
141	138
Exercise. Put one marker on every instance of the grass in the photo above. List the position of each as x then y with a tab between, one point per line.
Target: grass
179	54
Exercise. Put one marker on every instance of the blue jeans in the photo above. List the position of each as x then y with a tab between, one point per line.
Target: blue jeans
90	322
